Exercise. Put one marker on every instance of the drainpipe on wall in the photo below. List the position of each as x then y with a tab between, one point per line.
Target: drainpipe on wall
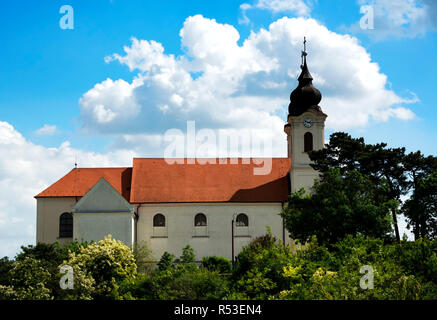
232	232
137	217
233	245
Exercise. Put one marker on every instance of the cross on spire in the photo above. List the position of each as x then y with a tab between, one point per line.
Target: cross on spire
304	52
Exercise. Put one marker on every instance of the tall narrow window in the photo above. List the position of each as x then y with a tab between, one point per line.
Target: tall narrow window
200	220
308	141
242	220
66	225
159	220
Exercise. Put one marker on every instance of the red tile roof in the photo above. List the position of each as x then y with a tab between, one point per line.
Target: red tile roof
155	181
79	181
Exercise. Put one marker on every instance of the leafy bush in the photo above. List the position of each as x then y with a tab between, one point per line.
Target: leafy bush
219	264
5	266
338	276
143	257
265	269
103	265
179	279
28	279
258	271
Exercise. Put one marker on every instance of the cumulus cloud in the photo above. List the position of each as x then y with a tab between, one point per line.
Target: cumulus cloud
399	18
27	170
298	7
221	84
46	130
109	101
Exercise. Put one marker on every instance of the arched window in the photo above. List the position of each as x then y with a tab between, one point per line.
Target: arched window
66	225
308	140
242	220
200	220
159	220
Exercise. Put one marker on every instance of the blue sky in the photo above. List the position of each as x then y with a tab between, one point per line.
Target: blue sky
46	70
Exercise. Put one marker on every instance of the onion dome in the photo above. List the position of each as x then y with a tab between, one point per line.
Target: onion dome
305	96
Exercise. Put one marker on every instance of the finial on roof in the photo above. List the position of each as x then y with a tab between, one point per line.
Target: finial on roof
305	96
75	162
304	52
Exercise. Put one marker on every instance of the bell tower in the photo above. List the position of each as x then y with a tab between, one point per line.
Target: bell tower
305	128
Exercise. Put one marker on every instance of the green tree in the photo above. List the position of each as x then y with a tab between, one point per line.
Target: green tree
143	257
338	205
5	266
258	270
382	163
383	166
318	273
166	261
219	264
28	280
421	208
188	256
104	265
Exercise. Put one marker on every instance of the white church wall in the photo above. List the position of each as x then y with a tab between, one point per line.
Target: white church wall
301	173
103	211
215	239
96	226
303	178
48	212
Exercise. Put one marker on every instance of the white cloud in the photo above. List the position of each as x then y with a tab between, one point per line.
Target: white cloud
399	18
109	101
222	84
298	7
46	130
27	169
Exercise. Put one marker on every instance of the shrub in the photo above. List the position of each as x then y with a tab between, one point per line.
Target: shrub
219	264
143	257
28	279
166	261
258	271
103	265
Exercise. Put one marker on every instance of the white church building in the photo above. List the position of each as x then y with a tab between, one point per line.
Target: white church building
211	207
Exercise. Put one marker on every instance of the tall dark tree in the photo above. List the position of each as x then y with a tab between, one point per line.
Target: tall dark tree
338	205
421	208
417	167
382	165
342	152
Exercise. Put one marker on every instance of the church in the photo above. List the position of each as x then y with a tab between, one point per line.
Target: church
215	208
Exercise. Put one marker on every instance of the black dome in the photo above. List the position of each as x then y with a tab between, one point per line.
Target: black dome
305	96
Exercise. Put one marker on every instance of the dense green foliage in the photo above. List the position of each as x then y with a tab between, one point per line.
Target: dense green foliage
178	279
388	174
401	271
421	208
265	269
339	205
103	265
219	264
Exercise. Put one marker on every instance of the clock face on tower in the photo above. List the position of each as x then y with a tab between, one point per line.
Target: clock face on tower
308	122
